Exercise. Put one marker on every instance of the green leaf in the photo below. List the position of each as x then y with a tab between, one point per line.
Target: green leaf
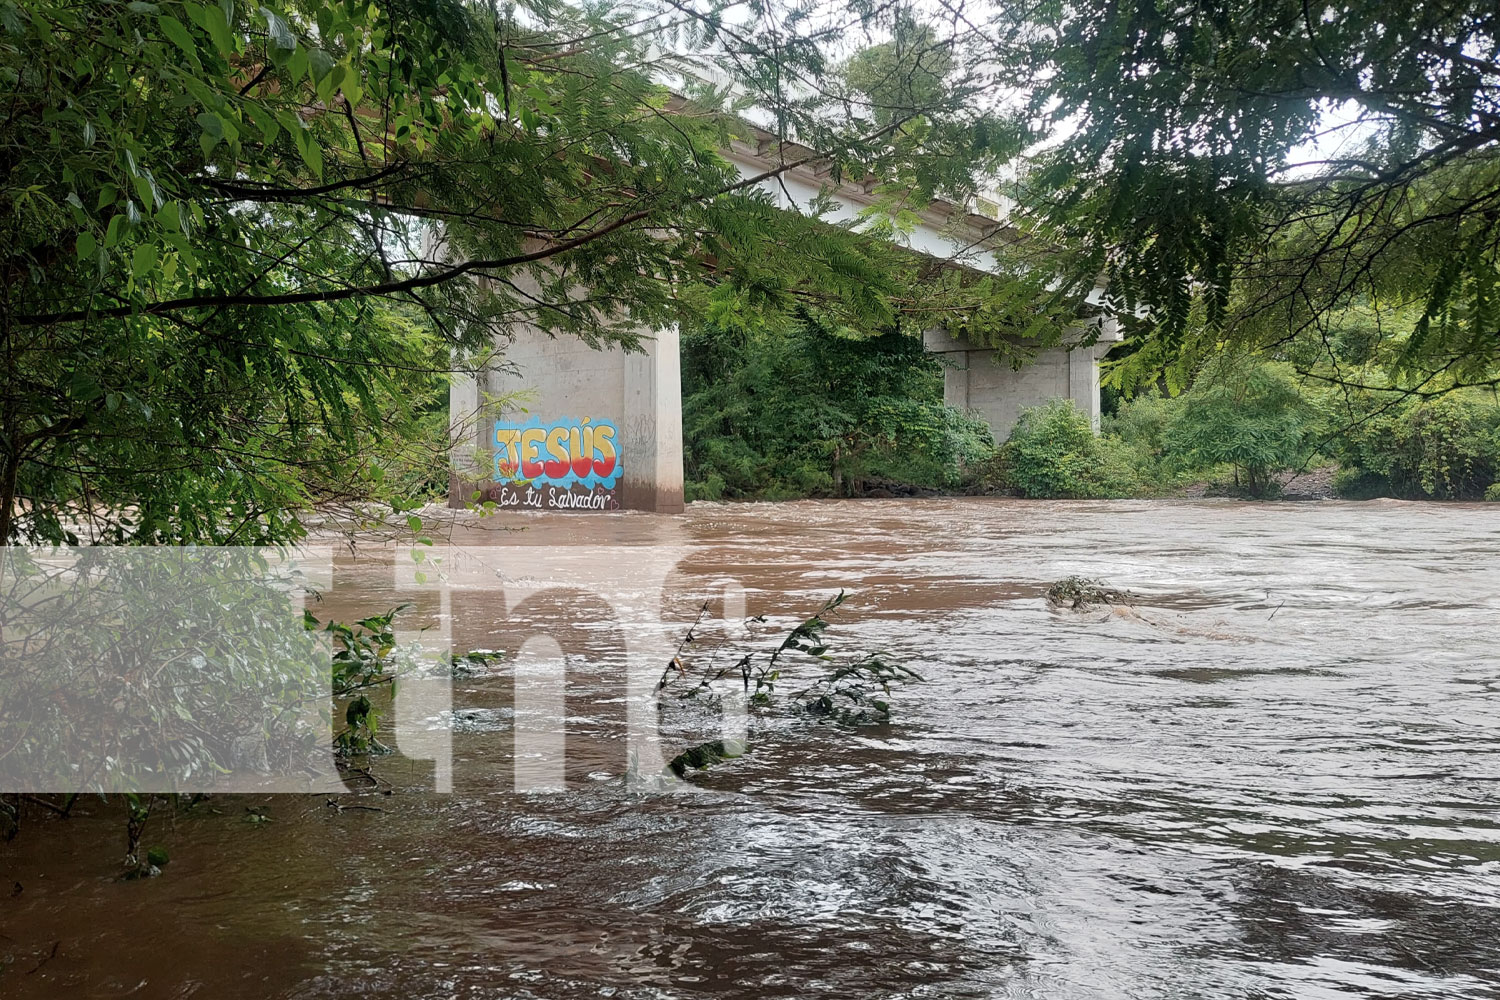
179	36
329	84
279	32
84	388
86	245
170	216
312	155
217	26
320	63
143	260
296	65
264	120
350	86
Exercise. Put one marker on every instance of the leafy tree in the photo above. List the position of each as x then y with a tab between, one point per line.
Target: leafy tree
1245	413
1245	171
809	409
1144	420
903	75
235	236
154	669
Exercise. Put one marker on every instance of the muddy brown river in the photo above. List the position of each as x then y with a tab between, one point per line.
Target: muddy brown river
1275	774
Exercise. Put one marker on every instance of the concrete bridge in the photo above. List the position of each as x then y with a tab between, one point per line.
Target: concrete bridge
588	429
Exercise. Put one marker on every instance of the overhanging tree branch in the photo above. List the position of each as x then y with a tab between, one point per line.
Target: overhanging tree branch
423	280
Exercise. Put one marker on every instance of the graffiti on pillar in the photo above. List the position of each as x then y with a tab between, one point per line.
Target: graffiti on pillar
566	463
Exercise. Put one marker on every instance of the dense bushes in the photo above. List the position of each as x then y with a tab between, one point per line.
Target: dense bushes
1445	448
816	411
1251	417
1247	422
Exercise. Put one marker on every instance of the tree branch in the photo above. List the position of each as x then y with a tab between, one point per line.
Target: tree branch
421	280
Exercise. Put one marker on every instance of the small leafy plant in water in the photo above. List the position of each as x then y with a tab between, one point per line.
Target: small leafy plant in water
474	663
854	691
363	661
367	660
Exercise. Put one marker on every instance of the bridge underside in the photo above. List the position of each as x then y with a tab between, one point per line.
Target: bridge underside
974	382
567	427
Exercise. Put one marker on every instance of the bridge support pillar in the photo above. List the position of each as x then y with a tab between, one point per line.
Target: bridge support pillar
974	381
652	428
559	425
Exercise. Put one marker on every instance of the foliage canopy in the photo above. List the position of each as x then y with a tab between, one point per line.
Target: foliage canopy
1250	170
1247	415
221	282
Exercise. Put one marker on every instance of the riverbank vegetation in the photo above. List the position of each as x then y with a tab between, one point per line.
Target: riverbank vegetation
1247	437
241	241
813	409
810	412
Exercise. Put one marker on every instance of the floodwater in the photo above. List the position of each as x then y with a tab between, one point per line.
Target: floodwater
1275	775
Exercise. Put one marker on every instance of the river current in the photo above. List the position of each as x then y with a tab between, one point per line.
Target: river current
1273	773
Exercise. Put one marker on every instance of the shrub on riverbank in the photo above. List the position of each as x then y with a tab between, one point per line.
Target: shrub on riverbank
1136	434
1054	453
1247	423
809	410
1249	415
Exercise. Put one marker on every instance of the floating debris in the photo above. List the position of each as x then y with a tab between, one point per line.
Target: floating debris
1079	593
